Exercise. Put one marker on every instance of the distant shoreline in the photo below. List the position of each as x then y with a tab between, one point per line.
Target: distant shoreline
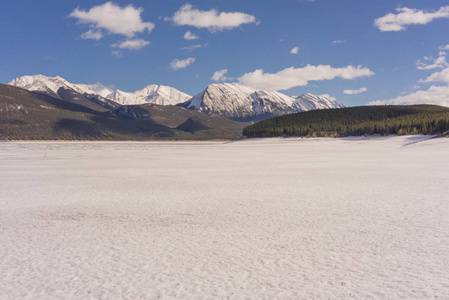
355	137
118	141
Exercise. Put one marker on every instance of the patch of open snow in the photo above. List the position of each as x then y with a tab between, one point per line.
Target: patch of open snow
256	219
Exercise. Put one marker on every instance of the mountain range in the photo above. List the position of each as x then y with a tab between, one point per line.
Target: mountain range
230	100
100	95
26	115
51	108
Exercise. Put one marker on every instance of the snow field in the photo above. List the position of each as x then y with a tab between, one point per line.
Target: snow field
254	219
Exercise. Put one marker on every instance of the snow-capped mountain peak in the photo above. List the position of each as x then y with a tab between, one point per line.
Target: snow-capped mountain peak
239	101
41	83
156	94
98	89
310	102
51	85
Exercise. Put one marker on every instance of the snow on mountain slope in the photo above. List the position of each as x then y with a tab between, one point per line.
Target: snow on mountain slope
44	84
310	102
97	89
238	101
90	96
155	94
52	86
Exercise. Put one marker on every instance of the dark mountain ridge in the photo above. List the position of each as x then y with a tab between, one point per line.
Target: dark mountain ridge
26	115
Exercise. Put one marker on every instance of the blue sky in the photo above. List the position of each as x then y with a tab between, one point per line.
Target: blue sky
322	46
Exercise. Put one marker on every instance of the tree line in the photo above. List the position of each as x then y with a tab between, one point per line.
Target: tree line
356	121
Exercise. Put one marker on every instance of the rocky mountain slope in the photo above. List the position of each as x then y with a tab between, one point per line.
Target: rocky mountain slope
237	101
309	101
241	102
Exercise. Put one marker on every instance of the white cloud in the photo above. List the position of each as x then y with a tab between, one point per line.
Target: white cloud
117	53
442	76
294	50
408	16
220	75
91	34
196	46
114	19
177	64
438	95
135	44
190	36
336	42
211	19
355	92
428	63
292	77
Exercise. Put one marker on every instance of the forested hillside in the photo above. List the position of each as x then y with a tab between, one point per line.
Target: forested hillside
355	121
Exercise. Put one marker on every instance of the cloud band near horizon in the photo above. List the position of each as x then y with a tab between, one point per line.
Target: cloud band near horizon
293	77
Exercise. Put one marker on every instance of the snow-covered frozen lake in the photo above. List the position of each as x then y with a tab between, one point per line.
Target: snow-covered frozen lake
254	219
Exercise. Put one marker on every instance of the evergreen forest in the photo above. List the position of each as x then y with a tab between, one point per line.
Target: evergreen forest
356	121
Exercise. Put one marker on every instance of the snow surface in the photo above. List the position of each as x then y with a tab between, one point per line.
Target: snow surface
254	219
